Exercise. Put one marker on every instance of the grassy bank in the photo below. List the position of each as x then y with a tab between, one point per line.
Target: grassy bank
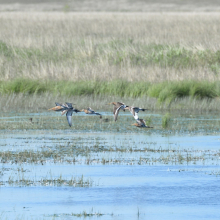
164	92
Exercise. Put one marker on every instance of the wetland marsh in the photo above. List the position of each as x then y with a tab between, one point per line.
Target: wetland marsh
98	168
109	170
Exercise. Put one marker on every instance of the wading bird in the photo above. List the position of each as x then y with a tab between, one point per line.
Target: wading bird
91	112
65	108
117	106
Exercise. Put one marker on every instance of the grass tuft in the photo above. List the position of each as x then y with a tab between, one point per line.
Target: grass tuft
166	120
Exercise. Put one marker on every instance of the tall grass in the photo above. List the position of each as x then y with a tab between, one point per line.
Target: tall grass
124	55
98	46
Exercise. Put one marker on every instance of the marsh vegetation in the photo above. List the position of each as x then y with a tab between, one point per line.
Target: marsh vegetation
168	63
125	55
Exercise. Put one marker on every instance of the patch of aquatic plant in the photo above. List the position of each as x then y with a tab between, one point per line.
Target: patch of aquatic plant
166	120
100	154
83	214
215	173
65	153
48	181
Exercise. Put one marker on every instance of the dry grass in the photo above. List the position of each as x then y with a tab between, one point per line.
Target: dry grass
106	46
41	103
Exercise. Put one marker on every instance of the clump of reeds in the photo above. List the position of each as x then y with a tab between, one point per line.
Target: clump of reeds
166	120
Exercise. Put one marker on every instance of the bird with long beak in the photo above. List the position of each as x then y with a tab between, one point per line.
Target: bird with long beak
117	106
90	111
67	109
141	124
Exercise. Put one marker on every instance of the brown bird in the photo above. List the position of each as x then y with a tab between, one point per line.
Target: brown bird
141	124
65	108
117	106
60	107
91	112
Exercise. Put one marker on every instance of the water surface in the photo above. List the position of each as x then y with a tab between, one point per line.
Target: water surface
124	174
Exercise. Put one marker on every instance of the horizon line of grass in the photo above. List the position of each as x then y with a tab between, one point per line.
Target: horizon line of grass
164	91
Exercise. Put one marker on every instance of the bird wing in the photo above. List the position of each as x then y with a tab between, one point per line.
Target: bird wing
141	109
133	112
142	122
76	110
116	111
91	111
63	112
57	108
136	116
57	104
119	103
69	105
69	117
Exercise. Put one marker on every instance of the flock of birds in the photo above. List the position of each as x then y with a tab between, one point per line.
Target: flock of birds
68	109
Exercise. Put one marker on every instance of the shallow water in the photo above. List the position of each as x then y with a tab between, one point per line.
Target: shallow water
132	174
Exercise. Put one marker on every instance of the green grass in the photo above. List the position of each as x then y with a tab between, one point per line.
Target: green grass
164	92
166	120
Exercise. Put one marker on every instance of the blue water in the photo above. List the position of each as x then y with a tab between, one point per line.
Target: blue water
122	190
119	191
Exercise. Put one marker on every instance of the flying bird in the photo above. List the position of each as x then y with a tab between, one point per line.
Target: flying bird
60	107
117	106
134	111
90	111
67	109
141	124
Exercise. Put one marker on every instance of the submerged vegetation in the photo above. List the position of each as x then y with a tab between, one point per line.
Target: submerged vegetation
47	181
41	167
